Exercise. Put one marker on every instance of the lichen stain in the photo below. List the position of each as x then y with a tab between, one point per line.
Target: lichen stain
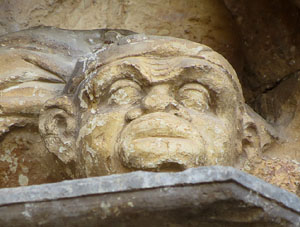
130	204
11	159
23	180
106	209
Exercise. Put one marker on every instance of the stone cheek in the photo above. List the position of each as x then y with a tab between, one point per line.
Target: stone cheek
222	139
97	141
149	103
106	147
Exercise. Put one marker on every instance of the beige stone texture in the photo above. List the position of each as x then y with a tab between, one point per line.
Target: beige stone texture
152	103
280	107
270	41
259	38
24	159
282	172
35	66
204	21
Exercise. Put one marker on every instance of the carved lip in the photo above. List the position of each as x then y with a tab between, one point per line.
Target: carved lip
160	125
160	138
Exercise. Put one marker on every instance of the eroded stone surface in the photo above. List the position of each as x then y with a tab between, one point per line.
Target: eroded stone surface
270	40
204	21
35	66
151	103
280	107
122	104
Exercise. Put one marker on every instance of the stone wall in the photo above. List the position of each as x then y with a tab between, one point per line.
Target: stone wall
260	38
204	21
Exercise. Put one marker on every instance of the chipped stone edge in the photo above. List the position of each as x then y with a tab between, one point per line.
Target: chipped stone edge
146	180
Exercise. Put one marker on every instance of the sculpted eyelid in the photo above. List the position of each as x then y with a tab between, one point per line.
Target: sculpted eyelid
193	86
123	83
191	89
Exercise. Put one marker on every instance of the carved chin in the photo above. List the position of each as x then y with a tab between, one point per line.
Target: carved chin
161	140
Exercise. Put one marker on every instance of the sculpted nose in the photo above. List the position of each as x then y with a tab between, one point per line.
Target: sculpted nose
158	99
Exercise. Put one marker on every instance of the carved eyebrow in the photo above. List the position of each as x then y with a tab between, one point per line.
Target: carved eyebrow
109	80
124	69
214	81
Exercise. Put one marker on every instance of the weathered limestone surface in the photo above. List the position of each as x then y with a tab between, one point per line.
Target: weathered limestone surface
37	63
259	38
151	103
270	41
205	196
84	103
110	102
266	35
35	66
280	106
123	107
204	21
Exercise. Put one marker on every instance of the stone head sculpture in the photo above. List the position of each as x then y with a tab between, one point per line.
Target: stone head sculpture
35	66
149	103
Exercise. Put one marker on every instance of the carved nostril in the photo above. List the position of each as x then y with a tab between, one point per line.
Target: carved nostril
181	112
133	114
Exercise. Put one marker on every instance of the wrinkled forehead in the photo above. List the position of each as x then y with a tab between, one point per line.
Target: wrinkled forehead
150	60
151	70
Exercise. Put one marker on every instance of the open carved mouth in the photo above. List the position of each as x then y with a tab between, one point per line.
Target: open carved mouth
158	139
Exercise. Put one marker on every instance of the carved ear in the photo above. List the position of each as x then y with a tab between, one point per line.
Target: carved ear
251	141
57	127
258	134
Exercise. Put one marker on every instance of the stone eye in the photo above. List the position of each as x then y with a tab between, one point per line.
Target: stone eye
124	92
194	96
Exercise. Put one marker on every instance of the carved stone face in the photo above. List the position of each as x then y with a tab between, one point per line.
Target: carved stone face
161	104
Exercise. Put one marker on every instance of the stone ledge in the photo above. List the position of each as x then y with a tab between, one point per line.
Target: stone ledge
202	195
